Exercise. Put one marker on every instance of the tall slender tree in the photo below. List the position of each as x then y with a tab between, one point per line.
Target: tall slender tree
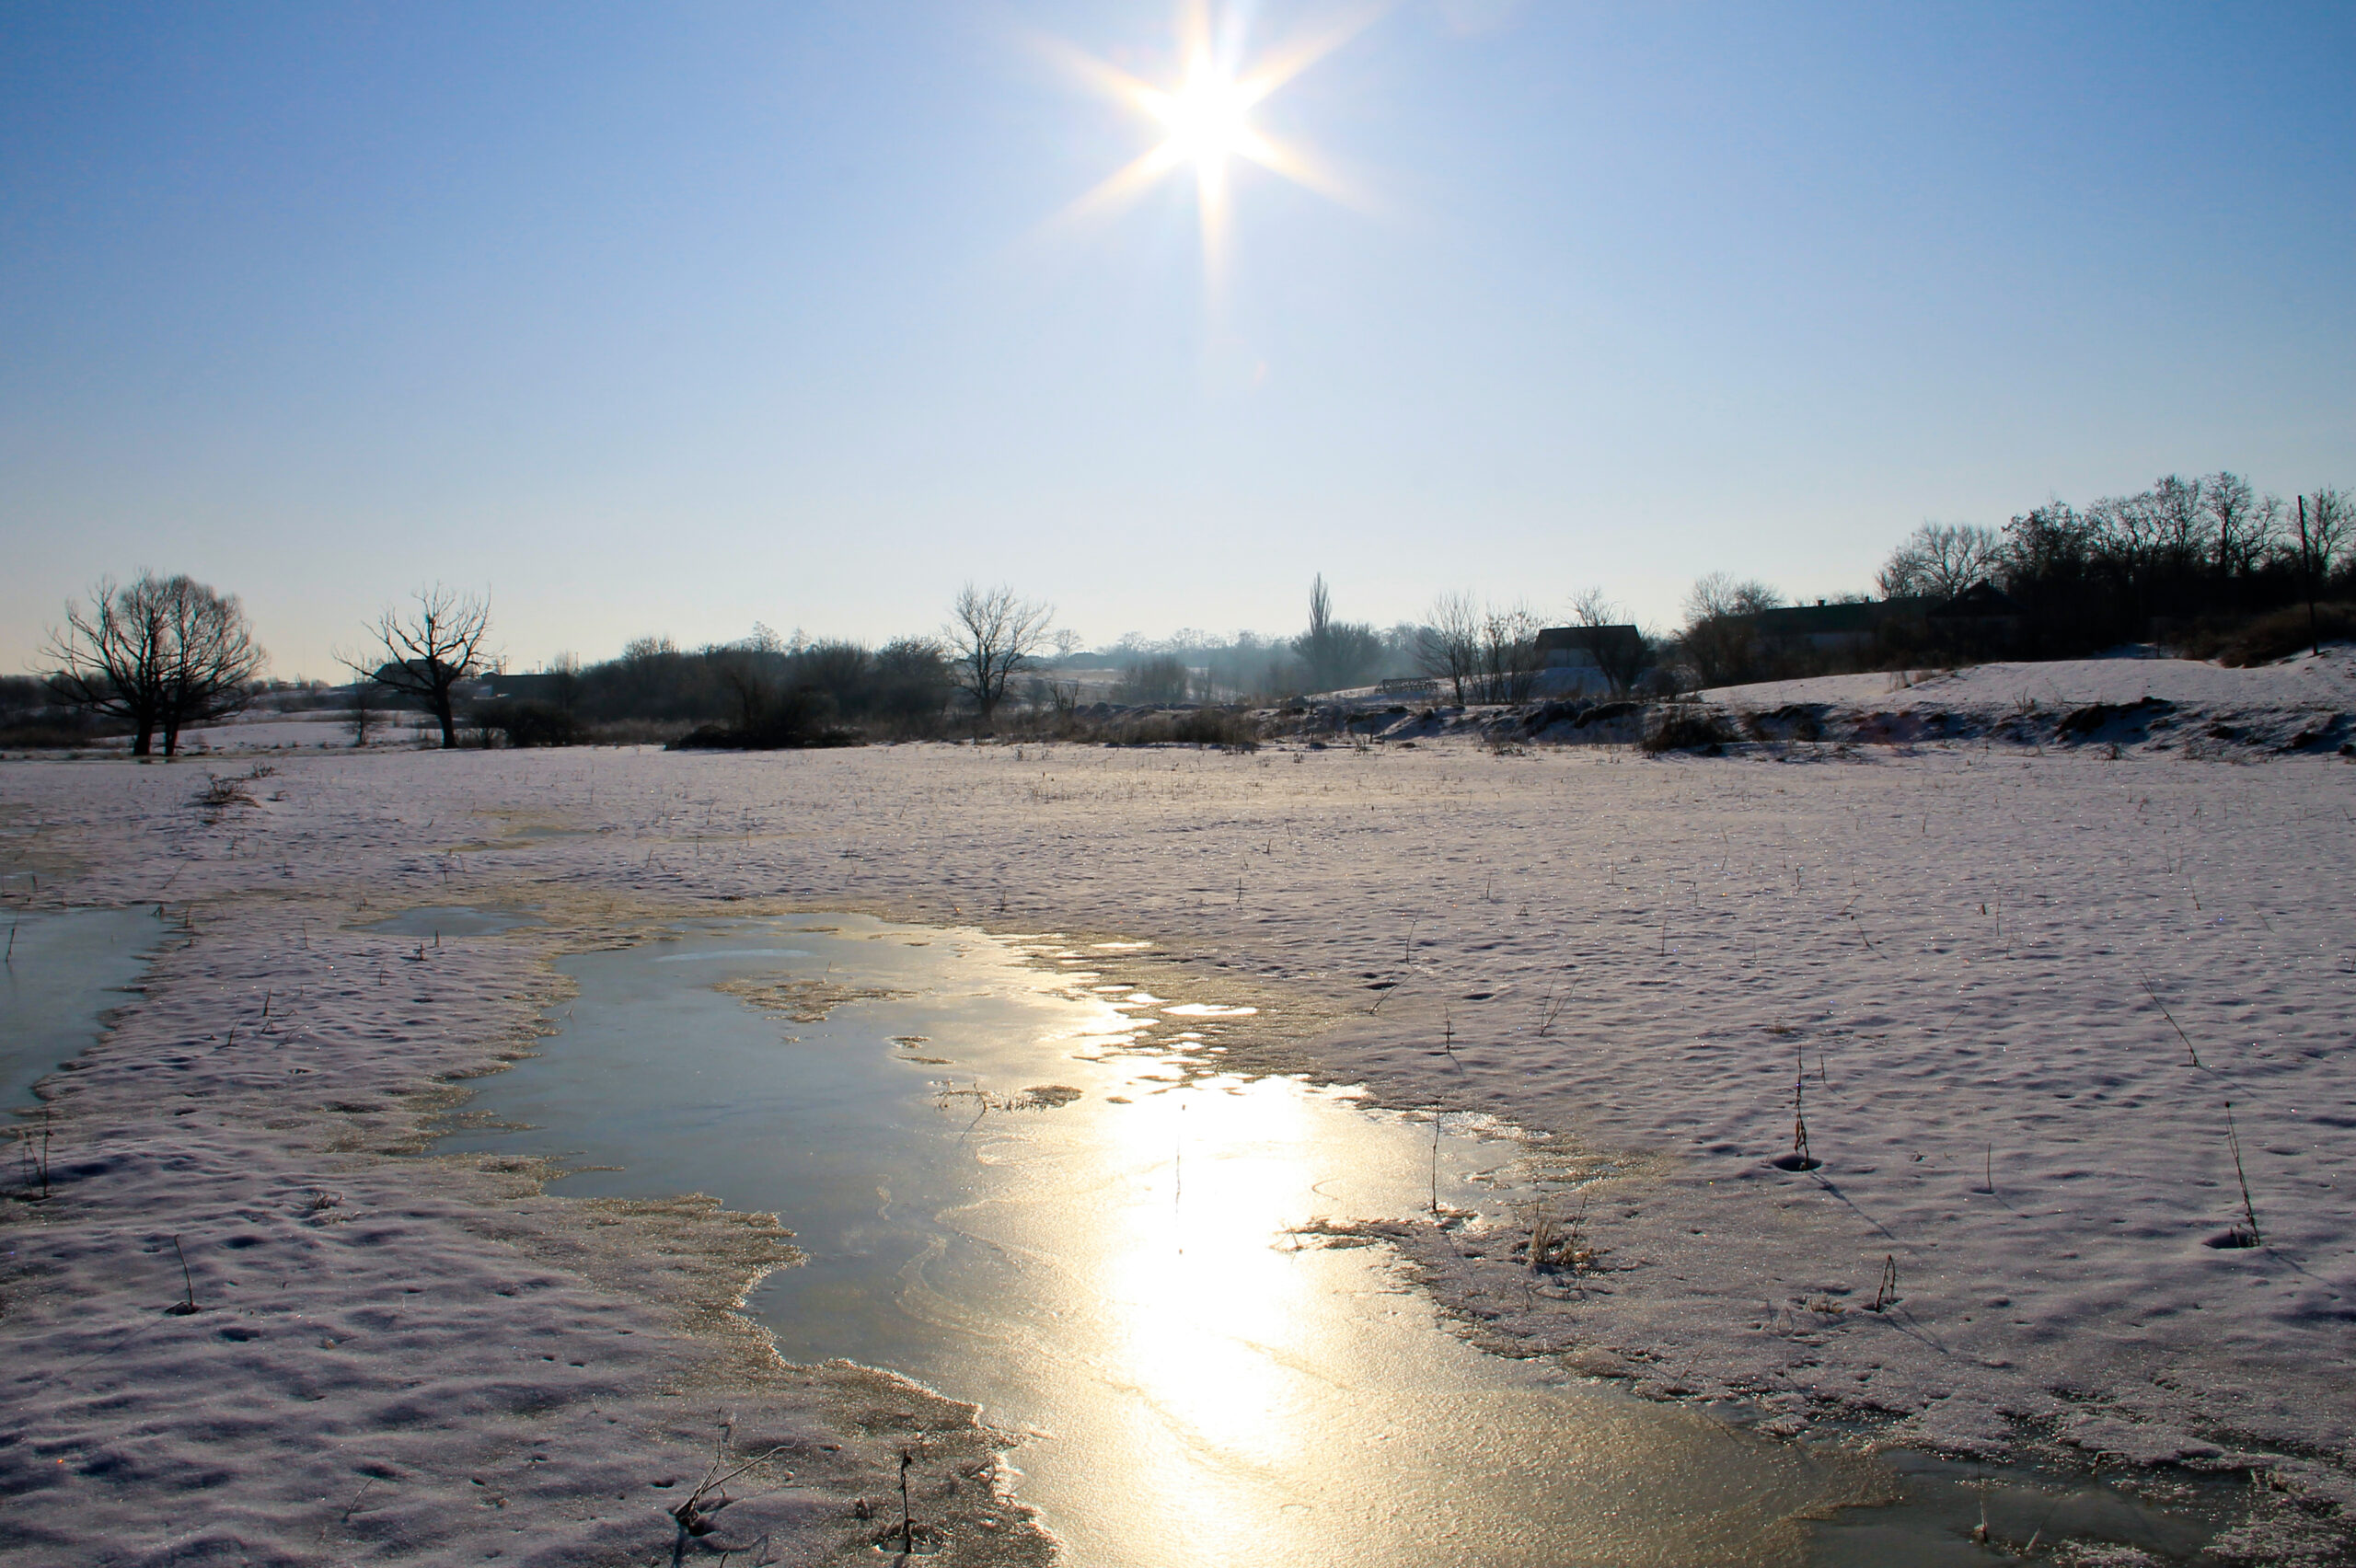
2325	519
1336	653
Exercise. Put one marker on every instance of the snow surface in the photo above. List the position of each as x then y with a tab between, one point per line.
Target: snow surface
2297	703
1977	959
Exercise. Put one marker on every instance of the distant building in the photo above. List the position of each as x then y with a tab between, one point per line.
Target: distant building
1573	647
1826	629
1849	626
1588	661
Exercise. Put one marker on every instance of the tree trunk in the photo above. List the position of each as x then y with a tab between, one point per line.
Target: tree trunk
144	744
449	724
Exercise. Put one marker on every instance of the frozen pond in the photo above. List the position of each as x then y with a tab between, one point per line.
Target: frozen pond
434	921
62	970
1044	1197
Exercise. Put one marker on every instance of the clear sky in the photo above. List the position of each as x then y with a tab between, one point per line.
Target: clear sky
671	317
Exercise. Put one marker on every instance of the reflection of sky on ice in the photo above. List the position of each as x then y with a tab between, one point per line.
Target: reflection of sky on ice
63	970
725	954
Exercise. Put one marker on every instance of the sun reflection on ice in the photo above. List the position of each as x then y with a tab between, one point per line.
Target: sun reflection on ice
1210	1309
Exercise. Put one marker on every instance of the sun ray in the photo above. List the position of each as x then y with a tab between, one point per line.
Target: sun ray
1297	166
1205	117
1122	187
1307	51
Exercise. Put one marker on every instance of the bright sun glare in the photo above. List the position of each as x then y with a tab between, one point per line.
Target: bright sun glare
1207	118
1208	121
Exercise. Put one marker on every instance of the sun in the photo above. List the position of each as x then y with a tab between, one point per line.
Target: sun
1208	121
1205	120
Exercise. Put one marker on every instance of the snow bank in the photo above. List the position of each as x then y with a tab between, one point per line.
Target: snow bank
2305	703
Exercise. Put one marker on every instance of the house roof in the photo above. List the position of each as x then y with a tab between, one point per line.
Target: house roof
1819	620
1553	637
1982	598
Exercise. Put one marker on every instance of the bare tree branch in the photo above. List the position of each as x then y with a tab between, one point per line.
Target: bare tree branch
429	651
1940	561
1448	647
1722	626
163	654
996	636
1617	649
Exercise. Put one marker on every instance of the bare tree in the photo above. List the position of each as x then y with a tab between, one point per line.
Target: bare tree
2178	519
2325	521
2240	526
996	636
161	653
1508	653
1939	560
1617	649
365	718
1721	625
1157	680
429	651
1448	648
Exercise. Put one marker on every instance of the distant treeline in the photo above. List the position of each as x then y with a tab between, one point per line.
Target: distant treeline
761	691
2204	566
2157	565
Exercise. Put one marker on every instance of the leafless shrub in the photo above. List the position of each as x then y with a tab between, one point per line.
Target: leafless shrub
1235	728
1684	727
220	793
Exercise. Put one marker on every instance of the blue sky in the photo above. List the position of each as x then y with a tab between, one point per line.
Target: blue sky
672	318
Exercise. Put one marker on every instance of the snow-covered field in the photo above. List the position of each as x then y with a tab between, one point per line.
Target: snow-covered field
315	729
2018	989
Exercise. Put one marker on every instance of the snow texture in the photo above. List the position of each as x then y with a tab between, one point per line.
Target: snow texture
2014	991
